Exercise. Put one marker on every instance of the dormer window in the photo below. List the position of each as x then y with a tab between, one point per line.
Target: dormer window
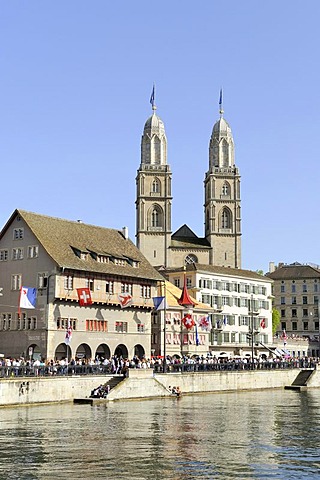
120	261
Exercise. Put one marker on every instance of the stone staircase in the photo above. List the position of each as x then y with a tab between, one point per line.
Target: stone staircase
112	382
301	380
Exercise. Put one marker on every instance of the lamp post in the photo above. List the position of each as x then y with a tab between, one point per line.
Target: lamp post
164	329
251	333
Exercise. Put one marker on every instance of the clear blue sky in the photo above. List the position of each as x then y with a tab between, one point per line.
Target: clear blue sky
75	83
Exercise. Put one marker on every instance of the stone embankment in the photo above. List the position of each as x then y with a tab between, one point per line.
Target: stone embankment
143	384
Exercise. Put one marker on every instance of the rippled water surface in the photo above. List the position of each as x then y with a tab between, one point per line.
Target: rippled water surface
247	435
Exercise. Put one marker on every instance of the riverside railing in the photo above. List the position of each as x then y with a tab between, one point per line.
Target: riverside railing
7	372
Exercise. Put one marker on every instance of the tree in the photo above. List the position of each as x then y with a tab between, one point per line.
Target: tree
275	320
260	272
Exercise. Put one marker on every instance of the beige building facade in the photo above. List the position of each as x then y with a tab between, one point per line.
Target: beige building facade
57	257
296	293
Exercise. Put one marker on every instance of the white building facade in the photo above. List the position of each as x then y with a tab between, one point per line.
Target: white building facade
241	302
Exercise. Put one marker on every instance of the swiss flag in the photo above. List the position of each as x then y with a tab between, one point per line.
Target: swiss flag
84	296
188	321
263	323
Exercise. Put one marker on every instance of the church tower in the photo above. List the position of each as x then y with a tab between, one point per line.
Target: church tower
222	198
153	197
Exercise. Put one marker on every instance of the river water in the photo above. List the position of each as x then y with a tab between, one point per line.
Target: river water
245	435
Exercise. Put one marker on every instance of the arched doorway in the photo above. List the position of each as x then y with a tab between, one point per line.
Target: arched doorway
62	351
33	352
83	351
103	351
121	351
139	351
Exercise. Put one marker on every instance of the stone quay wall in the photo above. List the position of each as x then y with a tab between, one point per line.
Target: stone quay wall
143	384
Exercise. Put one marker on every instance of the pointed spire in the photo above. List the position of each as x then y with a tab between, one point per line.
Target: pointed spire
220	103
185	299
152	98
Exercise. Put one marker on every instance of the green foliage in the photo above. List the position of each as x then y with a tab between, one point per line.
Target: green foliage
275	320
260	272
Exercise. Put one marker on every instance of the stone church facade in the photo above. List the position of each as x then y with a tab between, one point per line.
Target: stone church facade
221	243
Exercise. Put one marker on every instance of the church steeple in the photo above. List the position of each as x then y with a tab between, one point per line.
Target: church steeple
222	197
153	201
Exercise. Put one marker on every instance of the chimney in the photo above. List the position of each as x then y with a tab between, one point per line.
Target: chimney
125	232
272	268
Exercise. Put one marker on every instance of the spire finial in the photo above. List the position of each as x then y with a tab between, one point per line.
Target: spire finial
220	103
152	98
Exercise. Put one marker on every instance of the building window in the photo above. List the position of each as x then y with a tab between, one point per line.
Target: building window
17	233
190	259
189	282
315	287
17	253
96	325
225	219
121	327
294	326
293	288
145	291
305	326
225	189
304	288
42	280
283	326
63	323
68	282
155	218
126	288
316	299
140	328
109	287
155	186
33	251
316	325
177	282
283	301
4	255
283	313
304	312
283	289
294	312
305	300
16	283
89	283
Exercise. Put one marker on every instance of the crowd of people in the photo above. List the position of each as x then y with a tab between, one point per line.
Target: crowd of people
119	366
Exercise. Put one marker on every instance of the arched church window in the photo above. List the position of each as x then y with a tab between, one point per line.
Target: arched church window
190	259
155	218
155	186
225	189
226	219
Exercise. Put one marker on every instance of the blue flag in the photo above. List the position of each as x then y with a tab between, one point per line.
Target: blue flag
152	98
197	336
220	99
159	303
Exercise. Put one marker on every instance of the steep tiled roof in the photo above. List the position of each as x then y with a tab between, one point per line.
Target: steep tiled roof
294	271
184	237
62	238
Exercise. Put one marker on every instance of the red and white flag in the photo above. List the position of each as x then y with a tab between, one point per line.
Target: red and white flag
125	299
205	323
188	321
263	323
84	296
